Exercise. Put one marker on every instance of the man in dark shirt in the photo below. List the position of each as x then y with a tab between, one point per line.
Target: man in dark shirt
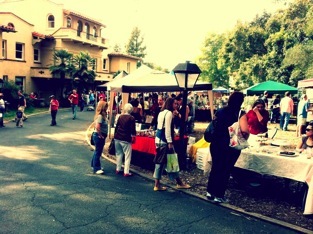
21	103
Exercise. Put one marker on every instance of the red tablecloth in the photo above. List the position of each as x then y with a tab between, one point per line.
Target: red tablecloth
147	144
144	144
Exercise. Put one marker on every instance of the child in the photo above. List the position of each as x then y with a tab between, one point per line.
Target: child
19	117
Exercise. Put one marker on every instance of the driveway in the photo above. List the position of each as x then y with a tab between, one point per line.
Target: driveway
47	186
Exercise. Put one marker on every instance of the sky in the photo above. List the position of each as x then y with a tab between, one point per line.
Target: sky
173	30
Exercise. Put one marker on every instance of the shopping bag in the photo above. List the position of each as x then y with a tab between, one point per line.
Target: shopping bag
112	147
172	163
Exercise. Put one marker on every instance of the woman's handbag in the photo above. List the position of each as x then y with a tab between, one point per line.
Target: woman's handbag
161	155
112	147
237	141
92	142
172	162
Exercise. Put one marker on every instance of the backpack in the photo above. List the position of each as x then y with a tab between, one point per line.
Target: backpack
209	133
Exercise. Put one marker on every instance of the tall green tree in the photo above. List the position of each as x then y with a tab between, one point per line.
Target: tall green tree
212	70
85	74
62	66
135	45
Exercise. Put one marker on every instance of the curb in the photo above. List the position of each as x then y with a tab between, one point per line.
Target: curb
237	210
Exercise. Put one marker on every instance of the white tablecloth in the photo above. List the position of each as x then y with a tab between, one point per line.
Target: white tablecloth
296	168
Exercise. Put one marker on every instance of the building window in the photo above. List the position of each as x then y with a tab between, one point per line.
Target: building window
19	81
79	27
87	30
36	55
68	22
104	64
4	49
95	31
94	64
5	78
19	51
51	21
128	67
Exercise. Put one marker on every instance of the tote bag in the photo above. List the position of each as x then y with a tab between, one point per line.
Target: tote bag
172	163
237	141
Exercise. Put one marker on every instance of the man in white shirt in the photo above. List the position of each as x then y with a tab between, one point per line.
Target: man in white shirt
286	109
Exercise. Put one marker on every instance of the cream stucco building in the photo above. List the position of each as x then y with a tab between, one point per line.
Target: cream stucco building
32	30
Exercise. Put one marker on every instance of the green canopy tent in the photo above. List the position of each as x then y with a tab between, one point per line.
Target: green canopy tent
272	87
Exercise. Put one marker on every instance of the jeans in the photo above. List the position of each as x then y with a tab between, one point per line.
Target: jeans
53	117
158	171
123	148
284	120
74	110
99	144
223	161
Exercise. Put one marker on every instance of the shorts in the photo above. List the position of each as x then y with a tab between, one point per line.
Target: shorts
301	121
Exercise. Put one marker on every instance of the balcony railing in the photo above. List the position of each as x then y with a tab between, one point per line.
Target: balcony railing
73	34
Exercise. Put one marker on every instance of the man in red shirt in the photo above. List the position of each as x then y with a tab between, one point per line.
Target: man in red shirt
73	98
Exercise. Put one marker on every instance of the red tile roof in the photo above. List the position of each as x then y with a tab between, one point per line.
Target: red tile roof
6	28
42	36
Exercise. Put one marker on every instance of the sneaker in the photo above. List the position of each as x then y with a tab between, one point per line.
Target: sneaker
220	200
99	172
209	196
183	186
128	174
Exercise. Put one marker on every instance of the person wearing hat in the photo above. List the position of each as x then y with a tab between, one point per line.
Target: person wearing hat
54	106
2	110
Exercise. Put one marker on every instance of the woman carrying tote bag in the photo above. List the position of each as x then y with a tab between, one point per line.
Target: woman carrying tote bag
164	145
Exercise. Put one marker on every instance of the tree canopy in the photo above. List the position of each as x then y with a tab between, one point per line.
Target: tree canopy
135	45
274	46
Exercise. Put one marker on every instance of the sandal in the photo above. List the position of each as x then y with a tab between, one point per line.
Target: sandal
183	186
159	188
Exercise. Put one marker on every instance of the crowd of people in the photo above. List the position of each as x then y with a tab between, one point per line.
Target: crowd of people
167	117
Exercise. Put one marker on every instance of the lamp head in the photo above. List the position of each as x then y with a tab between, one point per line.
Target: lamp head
186	74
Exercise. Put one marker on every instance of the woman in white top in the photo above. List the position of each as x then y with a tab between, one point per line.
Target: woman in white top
164	144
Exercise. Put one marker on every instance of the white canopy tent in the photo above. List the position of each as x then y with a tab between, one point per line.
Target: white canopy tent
145	79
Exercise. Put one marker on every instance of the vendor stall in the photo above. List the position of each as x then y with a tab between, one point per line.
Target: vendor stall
268	161
144	151
145	80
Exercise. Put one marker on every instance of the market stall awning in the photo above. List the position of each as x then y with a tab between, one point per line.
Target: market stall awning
305	83
220	89
272	87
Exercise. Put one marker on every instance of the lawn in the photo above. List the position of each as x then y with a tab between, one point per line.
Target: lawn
9	115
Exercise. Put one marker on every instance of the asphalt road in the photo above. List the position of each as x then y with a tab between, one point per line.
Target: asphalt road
47	186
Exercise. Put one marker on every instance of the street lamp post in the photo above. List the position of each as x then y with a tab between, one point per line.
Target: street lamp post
186	75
